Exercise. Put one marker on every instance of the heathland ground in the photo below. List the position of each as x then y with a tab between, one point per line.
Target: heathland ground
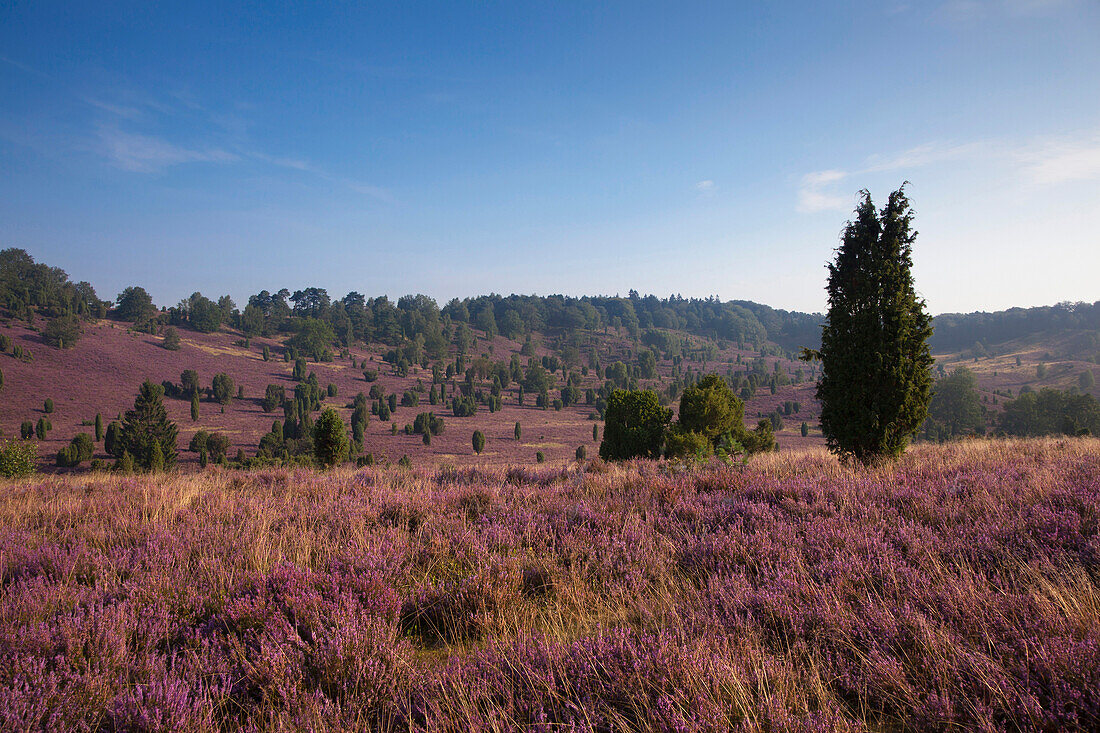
956	589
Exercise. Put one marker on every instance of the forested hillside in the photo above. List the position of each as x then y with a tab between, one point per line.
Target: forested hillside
532	374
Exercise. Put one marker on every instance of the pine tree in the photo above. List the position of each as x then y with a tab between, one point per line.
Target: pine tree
876	375
147	433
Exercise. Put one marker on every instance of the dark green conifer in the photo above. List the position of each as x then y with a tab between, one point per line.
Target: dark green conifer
876	377
147	435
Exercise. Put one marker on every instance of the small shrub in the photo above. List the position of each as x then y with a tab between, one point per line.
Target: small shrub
112	438
222	388
171	340
84	446
47	407
540	457
217	445
68	457
18	458
198	441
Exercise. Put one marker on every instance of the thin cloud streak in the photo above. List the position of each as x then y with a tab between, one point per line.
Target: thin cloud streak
140	152
1039	162
147	154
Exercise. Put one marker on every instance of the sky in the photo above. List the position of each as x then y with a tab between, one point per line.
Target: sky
458	149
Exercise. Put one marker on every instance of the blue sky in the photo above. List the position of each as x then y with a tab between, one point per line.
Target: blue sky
459	149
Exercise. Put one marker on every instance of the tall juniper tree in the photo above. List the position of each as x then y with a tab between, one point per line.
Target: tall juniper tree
876	377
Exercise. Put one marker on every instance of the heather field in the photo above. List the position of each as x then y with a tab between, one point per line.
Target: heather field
956	590
102	373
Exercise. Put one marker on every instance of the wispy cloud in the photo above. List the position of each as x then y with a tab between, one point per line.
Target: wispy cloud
131	136
813	193
147	154
706	188
1040	162
1056	161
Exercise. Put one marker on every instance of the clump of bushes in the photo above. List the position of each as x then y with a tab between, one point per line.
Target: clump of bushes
80	449
428	423
62	332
